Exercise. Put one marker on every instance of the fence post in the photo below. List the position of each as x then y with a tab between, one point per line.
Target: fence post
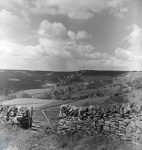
47	120
30	117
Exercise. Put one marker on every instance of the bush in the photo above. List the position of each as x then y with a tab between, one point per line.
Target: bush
67	96
11	97
98	93
120	99
46	96
25	95
91	94
86	104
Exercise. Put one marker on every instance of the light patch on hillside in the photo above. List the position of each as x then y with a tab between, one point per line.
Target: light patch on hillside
13	79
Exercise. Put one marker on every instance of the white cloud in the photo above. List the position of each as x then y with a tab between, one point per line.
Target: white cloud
52	30
58	31
13	26
114	3
57	41
120	12
80	35
17	56
14	5
116	8
136	33
2	34
8	19
80	9
131	58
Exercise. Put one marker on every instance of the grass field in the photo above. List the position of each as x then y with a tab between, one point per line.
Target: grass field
29	102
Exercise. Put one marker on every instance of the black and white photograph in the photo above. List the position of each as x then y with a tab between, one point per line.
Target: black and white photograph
70	74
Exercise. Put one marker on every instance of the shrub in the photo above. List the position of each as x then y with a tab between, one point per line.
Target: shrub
86	104
92	93
117	94
120	99
67	96
98	93
25	95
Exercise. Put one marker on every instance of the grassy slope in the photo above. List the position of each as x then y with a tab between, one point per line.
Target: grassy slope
25	140
19	139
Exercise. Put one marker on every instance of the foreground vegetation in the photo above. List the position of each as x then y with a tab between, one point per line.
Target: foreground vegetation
21	139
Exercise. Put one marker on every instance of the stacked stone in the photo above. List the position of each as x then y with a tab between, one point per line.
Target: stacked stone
15	115
21	116
121	122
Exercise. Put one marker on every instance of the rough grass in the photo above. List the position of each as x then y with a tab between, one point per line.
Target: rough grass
78	142
19	139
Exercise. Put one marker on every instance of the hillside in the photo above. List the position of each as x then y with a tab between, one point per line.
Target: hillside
13	80
103	88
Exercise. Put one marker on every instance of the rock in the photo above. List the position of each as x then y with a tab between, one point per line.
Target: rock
138	131
124	137
132	124
106	128
138	123
107	122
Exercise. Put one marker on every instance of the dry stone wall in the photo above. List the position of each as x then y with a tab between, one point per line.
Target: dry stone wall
15	115
122	122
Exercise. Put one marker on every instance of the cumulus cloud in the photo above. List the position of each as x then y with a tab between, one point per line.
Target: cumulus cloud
8	19
13	26
57	41
17	56
80	35
116	7
58	31
130	58
80	9
14	5
136	33
52	30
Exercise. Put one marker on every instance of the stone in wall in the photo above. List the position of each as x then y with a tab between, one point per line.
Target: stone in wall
123	122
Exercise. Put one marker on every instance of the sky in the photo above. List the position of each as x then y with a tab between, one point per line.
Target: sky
68	35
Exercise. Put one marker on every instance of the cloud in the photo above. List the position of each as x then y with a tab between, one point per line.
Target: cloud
121	12
14	5
130	58
57	41
54	44
80	35
136	33
8	19
17	56
13	26
58	31
80	9
116	7
114	3
2	34
52	30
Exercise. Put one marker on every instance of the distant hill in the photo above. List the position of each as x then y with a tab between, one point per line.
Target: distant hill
16	80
